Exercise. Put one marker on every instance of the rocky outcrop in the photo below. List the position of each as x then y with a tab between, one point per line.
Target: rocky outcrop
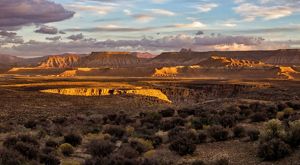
107	91
60	61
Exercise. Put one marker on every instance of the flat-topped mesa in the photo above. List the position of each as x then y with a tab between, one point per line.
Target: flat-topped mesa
110	59
60	61
219	62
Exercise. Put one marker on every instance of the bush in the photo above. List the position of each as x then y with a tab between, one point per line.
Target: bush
49	159
201	137
183	146
259	117
100	148
180	132
29	151
253	134
198	162
239	131
172	123
293	134
197	123
141	145
221	161
30	124
186	112
167	112
151	117
227	121
115	131
128	152
10	157
51	143
273	129
66	149
218	133
73	139
274	149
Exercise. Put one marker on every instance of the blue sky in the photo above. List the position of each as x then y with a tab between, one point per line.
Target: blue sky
152	25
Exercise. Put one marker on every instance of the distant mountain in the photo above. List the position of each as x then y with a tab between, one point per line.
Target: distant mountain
110	59
143	55
219	62
187	57
9	60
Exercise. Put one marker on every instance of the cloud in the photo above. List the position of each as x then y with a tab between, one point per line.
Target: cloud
76	37
143	17
23	12
251	11
47	30
166	43
4	33
206	7
56	38
162	12
199	33
195	24
103	9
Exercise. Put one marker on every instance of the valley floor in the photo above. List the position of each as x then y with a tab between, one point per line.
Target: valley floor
25	110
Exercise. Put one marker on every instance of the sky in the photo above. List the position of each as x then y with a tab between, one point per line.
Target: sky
31	28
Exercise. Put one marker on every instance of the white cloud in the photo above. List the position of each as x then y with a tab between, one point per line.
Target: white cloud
250	11
195	24
230	24
159	1
143	17
103	10
206	7
162	12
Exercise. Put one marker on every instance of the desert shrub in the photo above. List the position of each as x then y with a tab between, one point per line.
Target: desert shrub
66	149
288	112
218	133
100	148
259	117
10	142
30	124
171	123
273	129
282	106
295	105
273	149
59	120
253	134
156	140
197	123
115	131
186	112
183	146
167	112
10	157
29	151
48	150
293	133
221	161
51	143
150	117
180	132
73	139
227	121
239	131
49	159
198	162
141	145
201	137
128	152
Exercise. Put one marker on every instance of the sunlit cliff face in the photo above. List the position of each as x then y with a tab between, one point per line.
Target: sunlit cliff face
108	91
